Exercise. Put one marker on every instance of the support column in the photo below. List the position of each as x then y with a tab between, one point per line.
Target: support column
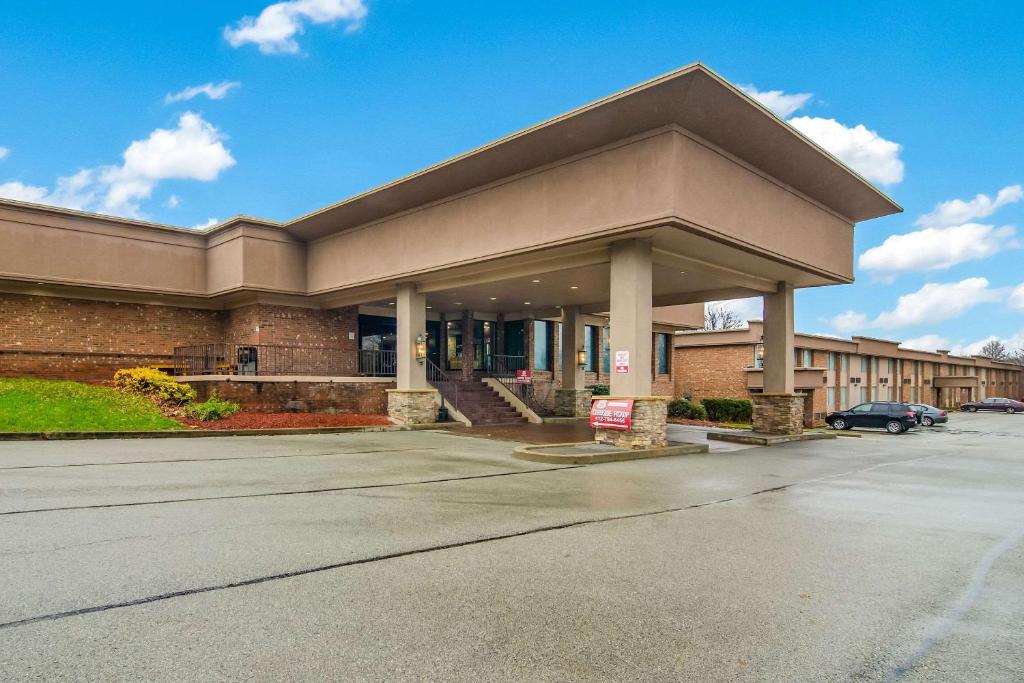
572	399
631	340
779	410
412	401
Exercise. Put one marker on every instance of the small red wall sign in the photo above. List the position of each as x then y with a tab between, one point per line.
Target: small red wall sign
622	362
524	377
612	414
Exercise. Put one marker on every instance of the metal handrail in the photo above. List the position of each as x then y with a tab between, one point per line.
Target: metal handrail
445	385
231	358
378	363
504	368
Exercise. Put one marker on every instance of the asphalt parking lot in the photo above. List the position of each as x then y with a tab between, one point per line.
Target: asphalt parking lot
428	555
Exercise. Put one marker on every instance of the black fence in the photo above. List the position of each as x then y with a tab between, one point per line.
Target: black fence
222	358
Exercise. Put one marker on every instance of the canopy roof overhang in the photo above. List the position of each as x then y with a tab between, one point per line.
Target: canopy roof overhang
693	97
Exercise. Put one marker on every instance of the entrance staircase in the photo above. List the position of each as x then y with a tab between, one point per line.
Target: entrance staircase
482	405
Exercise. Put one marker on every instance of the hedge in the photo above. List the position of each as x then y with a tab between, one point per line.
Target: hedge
728	409
599	389
680	407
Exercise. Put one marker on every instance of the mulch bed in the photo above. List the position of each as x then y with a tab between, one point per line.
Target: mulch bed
694	423
287	420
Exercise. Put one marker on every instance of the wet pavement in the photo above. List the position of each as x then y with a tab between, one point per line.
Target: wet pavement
432	555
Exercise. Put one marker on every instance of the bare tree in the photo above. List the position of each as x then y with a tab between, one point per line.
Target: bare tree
994	350
1017	356
718	317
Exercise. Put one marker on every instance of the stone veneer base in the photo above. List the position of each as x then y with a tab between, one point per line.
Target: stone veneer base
649	424
572	402
412	406
778	414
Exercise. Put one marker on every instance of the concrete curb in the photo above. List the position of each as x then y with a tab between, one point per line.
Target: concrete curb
197	433
753	439
534	453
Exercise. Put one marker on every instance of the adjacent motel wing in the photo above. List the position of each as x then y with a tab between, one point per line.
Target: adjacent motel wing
615	217
836	374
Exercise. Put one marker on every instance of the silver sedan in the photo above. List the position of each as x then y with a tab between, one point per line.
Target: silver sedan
929	415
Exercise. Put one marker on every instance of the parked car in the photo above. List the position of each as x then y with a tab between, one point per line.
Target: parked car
929	415
891	416
1003	405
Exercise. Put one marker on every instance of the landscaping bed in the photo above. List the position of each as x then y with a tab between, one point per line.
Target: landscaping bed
245	420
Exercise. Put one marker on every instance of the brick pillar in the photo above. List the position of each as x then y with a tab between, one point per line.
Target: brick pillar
467	346
778	413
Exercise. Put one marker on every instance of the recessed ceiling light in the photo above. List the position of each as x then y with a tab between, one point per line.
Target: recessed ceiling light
535	281
391	303
456	303
526	303
682	272
429	307
494	298
573	287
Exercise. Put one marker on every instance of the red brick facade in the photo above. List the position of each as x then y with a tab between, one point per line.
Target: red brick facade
712	371
365	398
87	340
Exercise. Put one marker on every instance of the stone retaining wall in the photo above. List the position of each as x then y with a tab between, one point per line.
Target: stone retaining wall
361	397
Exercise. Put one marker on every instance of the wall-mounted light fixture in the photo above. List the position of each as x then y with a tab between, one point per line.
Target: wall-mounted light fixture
421	348
581	357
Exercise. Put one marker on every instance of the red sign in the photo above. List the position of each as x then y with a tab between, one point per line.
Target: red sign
622	362
524	377
612	413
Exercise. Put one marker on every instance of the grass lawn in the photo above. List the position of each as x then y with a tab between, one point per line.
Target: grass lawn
37	405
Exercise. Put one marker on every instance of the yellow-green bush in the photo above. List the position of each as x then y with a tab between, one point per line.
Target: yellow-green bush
155	384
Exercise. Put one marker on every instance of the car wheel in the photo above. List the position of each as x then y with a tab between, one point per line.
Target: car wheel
839	423
894	427
972	409
927	421
1011	410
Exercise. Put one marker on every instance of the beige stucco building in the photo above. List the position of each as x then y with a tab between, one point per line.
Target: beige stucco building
674	192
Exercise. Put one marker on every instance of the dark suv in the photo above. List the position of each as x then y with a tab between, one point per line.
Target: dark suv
893	417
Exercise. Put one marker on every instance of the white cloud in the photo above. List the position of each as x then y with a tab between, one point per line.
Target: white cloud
208	223
274	30
864	150
215	91
849	322
1016	300
956	211
4	151
927	342
173	202
783	104
936	248
194	150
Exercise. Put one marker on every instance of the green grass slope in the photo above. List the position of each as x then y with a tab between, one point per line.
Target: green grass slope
35	405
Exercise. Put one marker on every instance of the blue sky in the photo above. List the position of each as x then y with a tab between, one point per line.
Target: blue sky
312	101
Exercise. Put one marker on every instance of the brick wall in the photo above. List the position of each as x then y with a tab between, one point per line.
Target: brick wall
52	337
365	398
712	371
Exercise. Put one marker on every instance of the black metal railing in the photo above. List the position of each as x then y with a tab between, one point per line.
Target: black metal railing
445	384
226	358
378	363
511	372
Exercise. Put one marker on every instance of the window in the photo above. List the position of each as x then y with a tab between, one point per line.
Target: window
514	344
862	408
845	362
606	350
808	362
864	364
831	360
830	398
842	397
758	355
591	334
662	345
542	351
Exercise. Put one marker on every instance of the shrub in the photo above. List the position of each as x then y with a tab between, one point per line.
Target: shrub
683	408
154	384
211	409
728	409
599	389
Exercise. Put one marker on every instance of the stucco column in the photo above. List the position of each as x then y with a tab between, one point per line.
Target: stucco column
778	410
410	321
571	399
631	339
631	322
779	362
412	401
